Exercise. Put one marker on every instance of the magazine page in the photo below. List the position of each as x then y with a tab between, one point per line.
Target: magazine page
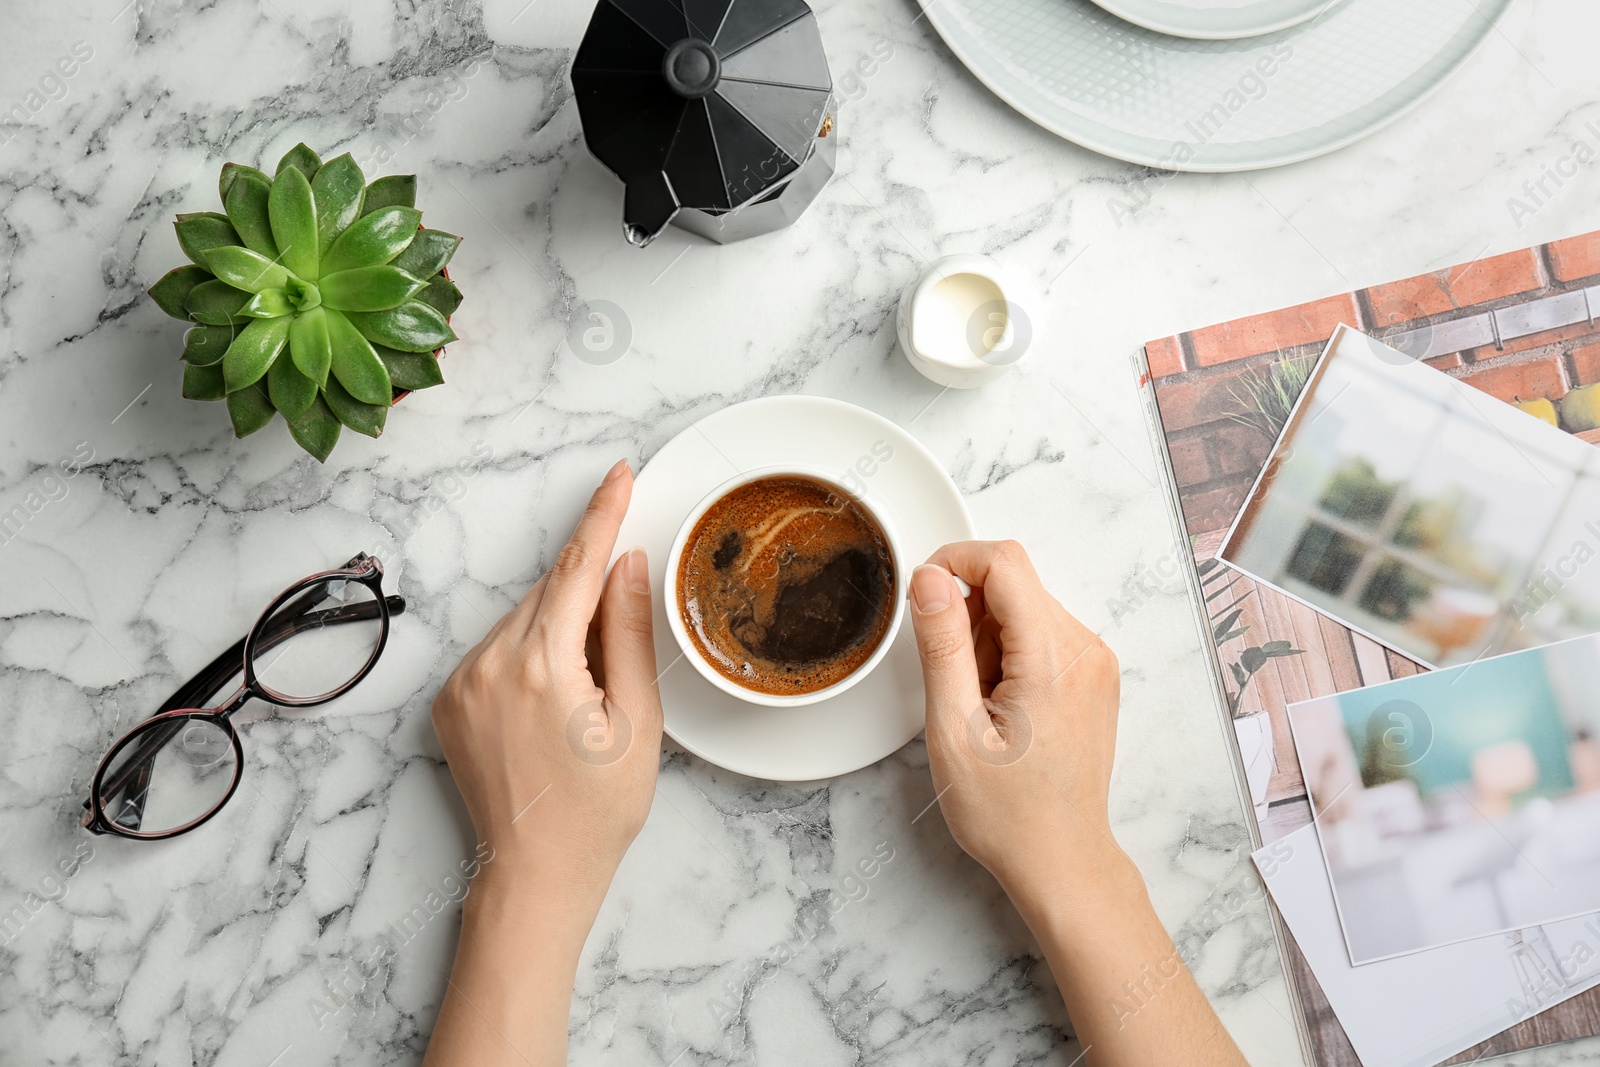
1520	327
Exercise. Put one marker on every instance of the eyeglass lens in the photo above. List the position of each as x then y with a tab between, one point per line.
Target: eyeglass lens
319	641
183	769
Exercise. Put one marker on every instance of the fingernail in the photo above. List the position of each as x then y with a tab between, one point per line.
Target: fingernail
636	571
930	589
615	472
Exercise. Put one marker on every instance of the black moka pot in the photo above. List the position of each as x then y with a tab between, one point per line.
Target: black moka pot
714	113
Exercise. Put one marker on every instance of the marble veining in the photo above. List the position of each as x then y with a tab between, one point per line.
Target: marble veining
313	922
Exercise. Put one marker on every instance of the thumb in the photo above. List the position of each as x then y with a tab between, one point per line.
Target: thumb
944	641
627	642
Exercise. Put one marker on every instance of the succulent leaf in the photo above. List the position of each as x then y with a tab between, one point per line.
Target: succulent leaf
204	346
441	294
411	327
216	303
317	430
310	345
294	222
337	190
355	364
203	383
427	253
172	292
250	409
374	239
200	230
268	304
291	392
244	269
253	351
392	190
369	288
247	210
303	159
230	172
362	418
410	370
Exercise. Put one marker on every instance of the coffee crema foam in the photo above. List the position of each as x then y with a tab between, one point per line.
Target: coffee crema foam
786	585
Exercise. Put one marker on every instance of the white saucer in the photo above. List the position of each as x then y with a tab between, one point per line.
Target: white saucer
1215	19
881	712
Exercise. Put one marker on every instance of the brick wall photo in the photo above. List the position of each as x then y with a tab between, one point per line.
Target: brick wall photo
1520	326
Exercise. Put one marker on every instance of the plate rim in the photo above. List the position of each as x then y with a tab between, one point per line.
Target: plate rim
929	8
1121	9
947	486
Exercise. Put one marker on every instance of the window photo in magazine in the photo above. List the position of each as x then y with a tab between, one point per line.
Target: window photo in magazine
1420	512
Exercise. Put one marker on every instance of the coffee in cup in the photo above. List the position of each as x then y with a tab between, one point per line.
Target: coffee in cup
785	586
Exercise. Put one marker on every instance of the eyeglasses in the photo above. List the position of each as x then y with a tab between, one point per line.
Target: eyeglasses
176	769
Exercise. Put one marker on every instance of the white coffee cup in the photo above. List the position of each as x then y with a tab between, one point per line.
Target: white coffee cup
691	651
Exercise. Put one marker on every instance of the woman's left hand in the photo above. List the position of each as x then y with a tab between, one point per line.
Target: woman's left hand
556	756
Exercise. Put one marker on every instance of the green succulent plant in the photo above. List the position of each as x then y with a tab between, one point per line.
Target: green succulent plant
315	294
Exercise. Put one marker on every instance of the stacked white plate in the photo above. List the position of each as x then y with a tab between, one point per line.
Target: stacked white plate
1216	20
1213	85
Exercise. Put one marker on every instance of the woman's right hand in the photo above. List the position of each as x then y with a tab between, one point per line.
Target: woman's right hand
1022	719
1022	727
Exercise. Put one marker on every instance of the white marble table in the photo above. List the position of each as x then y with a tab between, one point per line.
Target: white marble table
221	949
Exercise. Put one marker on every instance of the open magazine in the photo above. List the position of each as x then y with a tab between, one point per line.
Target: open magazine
1523	328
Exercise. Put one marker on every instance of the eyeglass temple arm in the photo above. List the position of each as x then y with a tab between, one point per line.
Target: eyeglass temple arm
286	627
294	619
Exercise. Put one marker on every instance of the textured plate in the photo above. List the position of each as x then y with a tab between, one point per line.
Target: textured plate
1178	104
1216	19
885	709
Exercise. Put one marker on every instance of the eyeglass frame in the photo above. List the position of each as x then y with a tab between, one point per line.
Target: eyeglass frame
184	705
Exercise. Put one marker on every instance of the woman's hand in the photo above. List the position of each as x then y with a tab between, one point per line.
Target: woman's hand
556	756
1022	727
1022	717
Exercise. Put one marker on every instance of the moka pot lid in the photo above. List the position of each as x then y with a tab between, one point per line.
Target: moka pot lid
699	103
